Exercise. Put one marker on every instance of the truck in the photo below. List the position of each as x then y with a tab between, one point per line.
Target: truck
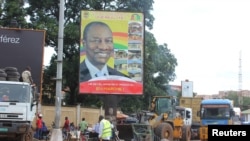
20	48
194	104
214	112
186	115
17	111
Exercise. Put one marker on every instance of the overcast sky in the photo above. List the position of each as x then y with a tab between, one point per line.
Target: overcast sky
206	37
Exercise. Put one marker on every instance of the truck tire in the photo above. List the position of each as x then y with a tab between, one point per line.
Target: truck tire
28	136
13	74
3	74
186	133
11	69
195	131
2	78
164	131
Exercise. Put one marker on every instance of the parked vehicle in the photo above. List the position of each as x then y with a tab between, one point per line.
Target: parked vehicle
215	112
194	104
162	121
18	112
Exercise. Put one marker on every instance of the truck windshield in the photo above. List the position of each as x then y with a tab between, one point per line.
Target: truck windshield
215	112
14	93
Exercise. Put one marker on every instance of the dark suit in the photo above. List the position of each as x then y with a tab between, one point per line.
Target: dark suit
85	72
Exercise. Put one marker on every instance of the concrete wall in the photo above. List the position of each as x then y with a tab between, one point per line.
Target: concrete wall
74	113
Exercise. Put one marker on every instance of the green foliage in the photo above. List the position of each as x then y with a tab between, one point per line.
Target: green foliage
45	15
235	97
158	60
13	10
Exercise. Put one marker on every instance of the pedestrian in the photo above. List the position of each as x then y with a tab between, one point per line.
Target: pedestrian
105	130
39	125
95	132
72	126
66	126
83	126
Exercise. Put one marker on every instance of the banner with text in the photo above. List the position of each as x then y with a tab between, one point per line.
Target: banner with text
111	53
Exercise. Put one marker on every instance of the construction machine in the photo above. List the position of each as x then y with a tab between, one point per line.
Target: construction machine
163	120
168	119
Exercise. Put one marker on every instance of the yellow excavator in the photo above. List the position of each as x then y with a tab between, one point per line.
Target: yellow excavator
163	120
168	119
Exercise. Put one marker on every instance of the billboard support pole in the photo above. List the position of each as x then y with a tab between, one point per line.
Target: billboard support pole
57	132
110	106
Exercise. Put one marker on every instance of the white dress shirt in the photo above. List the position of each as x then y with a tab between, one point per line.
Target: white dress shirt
94	71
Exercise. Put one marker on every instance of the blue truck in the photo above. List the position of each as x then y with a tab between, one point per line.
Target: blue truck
214	112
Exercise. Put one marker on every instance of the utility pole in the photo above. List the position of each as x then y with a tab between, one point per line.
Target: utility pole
240	99
57	133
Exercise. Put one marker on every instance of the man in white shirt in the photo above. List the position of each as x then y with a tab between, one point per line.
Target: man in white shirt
105	129
26	75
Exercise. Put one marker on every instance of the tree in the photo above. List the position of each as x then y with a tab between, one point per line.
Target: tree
234	96
158	60
45	15
12	13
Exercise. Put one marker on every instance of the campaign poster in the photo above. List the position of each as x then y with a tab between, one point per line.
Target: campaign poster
111	53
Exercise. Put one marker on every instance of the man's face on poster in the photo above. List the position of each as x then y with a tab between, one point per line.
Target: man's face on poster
99	44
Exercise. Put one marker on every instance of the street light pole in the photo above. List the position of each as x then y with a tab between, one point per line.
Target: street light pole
57	133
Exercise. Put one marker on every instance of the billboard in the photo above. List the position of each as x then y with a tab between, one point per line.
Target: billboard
111	53
21	48
187	88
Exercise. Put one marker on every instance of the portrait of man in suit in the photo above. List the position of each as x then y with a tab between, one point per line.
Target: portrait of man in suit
99	47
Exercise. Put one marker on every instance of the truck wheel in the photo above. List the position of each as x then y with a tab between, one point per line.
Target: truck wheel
186	133
28	136
164	131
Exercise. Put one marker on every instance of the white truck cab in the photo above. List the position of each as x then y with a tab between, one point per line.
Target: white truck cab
17	110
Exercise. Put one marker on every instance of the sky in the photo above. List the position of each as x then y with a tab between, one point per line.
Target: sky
210	40
48	52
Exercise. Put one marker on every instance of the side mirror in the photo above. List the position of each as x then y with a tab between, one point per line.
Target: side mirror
188	114
232	113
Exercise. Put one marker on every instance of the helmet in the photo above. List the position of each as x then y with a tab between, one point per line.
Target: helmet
40	115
